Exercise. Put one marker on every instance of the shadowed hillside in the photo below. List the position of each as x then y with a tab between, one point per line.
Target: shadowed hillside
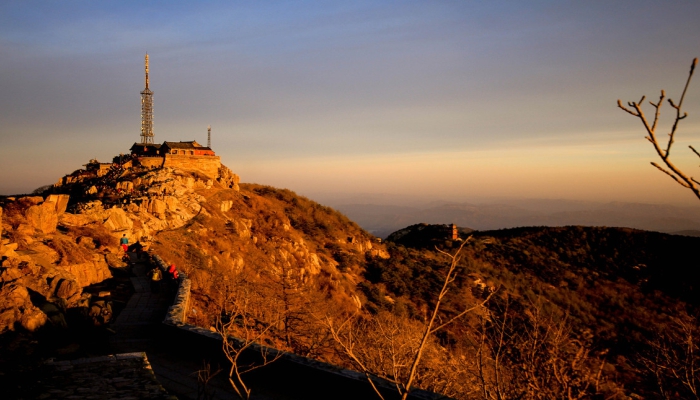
622	286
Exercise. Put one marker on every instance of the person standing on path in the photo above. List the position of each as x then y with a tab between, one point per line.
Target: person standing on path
173	276
155	276
124	241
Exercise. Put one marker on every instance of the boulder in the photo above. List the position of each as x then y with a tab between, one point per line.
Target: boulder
43	217
117	220
14	296
228	179
66	288
90	207
8	318
8	250
241	227
126	186
171	203
114	261
14	299
313	265
88	273
68	219
226	205
9	274
156	206
33	319
43	254
60	202
379	252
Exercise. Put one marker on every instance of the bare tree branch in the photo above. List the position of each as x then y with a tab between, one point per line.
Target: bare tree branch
664	153
404	344
248	320
694	151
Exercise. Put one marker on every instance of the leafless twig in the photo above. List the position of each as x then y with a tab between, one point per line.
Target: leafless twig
635	109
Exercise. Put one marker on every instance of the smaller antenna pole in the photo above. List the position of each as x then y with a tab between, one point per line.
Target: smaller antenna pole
146	70
209	136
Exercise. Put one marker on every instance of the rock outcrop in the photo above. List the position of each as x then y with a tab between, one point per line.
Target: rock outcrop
43	272
43	217
228	179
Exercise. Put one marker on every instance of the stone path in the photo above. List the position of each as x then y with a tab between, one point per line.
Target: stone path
140	321
123	376
145	358
138	328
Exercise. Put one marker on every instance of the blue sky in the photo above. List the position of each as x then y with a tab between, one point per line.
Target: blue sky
450	100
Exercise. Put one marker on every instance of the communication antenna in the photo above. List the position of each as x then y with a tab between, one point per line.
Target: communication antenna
147	112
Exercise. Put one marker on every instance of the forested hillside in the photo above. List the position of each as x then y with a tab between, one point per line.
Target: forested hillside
622	291
580	309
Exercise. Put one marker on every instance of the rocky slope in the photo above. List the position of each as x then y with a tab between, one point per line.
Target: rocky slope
60	242
44	268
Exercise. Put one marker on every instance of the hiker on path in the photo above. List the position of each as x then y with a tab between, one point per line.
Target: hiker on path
173	276
172	272
155	276
124	242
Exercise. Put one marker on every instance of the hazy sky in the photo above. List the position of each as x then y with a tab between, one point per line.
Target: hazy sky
437	99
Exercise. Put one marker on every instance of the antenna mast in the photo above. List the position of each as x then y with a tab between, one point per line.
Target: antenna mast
147	112
209	136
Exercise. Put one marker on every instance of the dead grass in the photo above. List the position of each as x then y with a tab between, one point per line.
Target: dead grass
98	232
68	251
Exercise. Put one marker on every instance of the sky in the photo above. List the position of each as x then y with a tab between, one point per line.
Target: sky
449	100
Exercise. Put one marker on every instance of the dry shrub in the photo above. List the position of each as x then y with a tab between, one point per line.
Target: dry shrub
69	252
99	233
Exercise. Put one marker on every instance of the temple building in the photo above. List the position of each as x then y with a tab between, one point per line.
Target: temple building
191	148
188	155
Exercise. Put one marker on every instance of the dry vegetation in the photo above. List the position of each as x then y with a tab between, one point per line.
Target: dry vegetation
571	308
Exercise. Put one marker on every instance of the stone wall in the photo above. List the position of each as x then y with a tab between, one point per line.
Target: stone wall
177	312
207	165
299	376
151	162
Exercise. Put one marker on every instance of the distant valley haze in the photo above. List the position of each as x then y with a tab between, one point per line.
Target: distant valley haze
487	115
383	219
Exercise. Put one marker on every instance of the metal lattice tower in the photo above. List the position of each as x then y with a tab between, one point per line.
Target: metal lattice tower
209	136
147	112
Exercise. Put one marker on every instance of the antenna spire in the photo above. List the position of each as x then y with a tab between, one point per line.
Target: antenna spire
146	70
147	112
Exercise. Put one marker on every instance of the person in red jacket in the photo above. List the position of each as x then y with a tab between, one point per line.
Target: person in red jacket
173	272
173	275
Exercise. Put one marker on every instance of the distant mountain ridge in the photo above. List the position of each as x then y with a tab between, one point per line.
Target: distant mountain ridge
381	220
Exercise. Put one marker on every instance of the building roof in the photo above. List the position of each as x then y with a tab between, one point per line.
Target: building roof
185	145
141	145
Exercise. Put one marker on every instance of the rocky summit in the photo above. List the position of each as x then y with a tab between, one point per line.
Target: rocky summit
66	237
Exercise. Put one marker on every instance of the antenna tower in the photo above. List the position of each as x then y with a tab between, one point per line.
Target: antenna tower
147	112
209	136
